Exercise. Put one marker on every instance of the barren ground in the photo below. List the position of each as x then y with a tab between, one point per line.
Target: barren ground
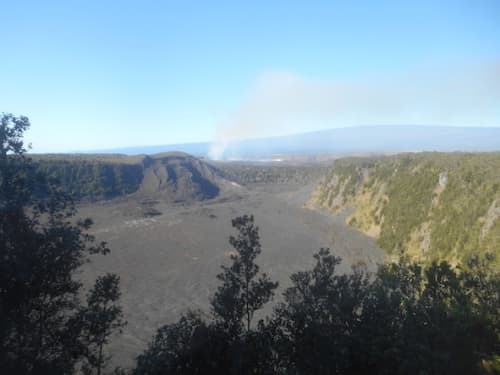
168	263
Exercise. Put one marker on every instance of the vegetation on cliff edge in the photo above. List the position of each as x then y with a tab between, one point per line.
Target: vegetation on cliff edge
432	206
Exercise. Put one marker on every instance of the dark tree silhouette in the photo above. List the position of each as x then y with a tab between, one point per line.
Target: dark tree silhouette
242	292
407	318
189	346
100	318
229	344
320	316
41	247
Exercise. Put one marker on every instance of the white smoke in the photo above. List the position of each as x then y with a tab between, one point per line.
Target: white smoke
283	103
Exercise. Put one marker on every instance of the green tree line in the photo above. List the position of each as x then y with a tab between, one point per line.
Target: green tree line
90	177
442	206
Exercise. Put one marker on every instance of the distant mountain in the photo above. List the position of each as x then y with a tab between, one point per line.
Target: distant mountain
200	149
377	139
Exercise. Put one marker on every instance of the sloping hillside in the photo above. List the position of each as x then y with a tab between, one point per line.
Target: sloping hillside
179	177
426	205
172	177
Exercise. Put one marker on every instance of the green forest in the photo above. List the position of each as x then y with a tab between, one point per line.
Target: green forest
92	177
429	206
409	317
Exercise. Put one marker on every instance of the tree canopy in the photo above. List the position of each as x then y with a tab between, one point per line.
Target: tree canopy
407	318
44	326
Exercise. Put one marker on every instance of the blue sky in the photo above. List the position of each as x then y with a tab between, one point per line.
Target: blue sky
103	74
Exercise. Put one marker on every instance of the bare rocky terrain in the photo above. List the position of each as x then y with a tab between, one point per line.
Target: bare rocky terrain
168	254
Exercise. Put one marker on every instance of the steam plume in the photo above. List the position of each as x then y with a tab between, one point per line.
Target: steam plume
282	103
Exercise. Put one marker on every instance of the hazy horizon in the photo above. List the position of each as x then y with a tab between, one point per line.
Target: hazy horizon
99	76
336	141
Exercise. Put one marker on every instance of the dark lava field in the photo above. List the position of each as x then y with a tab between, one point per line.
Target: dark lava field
168	254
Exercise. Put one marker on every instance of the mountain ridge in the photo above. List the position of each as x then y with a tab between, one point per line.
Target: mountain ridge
379	139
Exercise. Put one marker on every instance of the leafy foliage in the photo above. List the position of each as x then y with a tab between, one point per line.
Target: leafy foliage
41	248
431	206
93	177
229	344
276	174
319	319
241	294
101	317
408	318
